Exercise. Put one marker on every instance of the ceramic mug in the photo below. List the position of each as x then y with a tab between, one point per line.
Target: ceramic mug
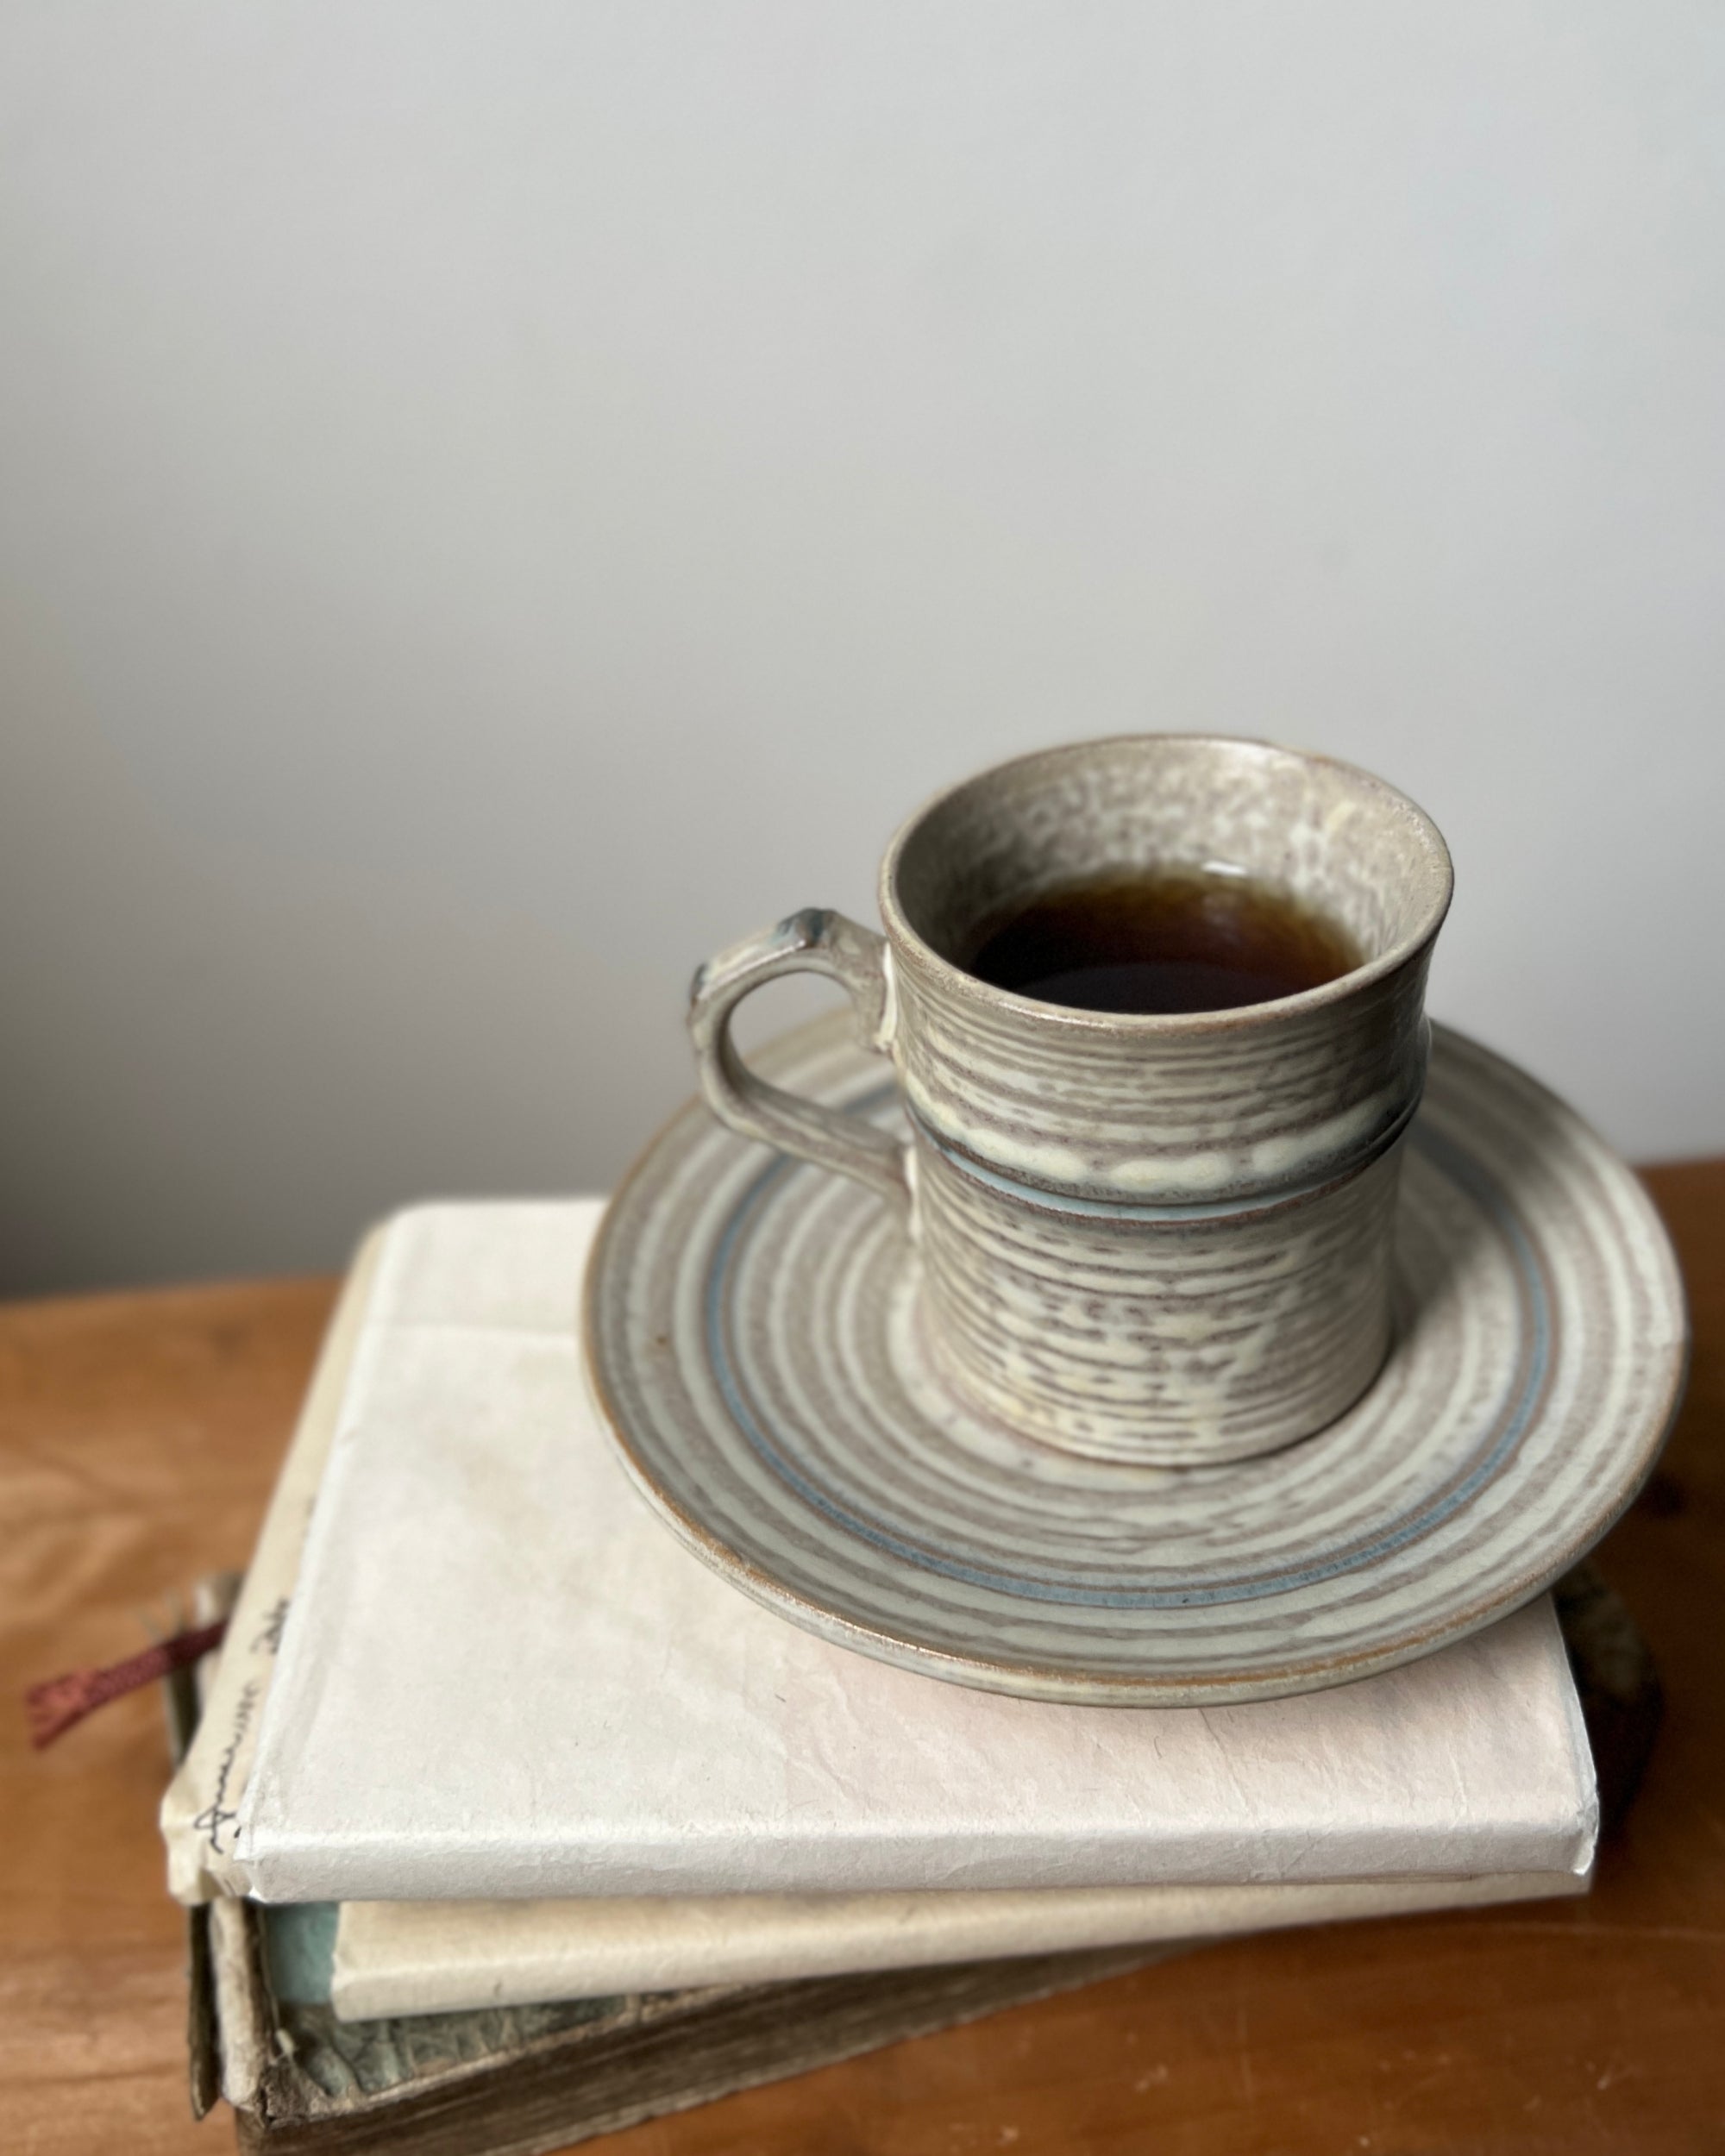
1160	1238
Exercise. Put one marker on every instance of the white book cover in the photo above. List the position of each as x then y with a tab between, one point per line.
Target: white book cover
499	1676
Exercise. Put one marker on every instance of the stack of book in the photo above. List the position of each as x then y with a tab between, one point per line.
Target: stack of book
505	1821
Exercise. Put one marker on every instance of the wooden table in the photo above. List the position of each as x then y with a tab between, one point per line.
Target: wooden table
139	1434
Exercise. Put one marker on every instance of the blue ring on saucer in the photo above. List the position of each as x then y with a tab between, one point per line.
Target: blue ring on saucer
1459	1168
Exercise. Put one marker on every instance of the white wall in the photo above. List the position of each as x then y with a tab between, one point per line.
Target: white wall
496	500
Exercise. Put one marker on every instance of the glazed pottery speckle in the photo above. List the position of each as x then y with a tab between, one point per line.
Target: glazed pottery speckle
759	1350
1145	1237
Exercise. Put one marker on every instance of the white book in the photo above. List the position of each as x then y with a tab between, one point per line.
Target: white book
501	1678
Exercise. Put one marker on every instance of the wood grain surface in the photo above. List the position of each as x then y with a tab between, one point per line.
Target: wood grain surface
139	1434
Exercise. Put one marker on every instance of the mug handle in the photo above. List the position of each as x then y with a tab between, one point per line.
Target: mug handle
817	940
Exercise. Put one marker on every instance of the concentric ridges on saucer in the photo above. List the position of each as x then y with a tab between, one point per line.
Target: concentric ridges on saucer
755	1340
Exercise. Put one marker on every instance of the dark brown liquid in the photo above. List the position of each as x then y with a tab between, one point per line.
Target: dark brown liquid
1170	939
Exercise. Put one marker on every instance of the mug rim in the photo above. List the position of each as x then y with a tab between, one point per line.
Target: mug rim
1153	1024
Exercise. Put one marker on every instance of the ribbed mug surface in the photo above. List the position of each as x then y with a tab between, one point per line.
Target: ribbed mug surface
1162	1238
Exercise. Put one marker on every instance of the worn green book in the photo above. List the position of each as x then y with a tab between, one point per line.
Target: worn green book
512	2080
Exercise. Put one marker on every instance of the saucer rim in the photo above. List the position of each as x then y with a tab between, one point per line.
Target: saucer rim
1064	1685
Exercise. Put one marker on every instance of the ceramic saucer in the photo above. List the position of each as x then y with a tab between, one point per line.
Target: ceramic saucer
754	1344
